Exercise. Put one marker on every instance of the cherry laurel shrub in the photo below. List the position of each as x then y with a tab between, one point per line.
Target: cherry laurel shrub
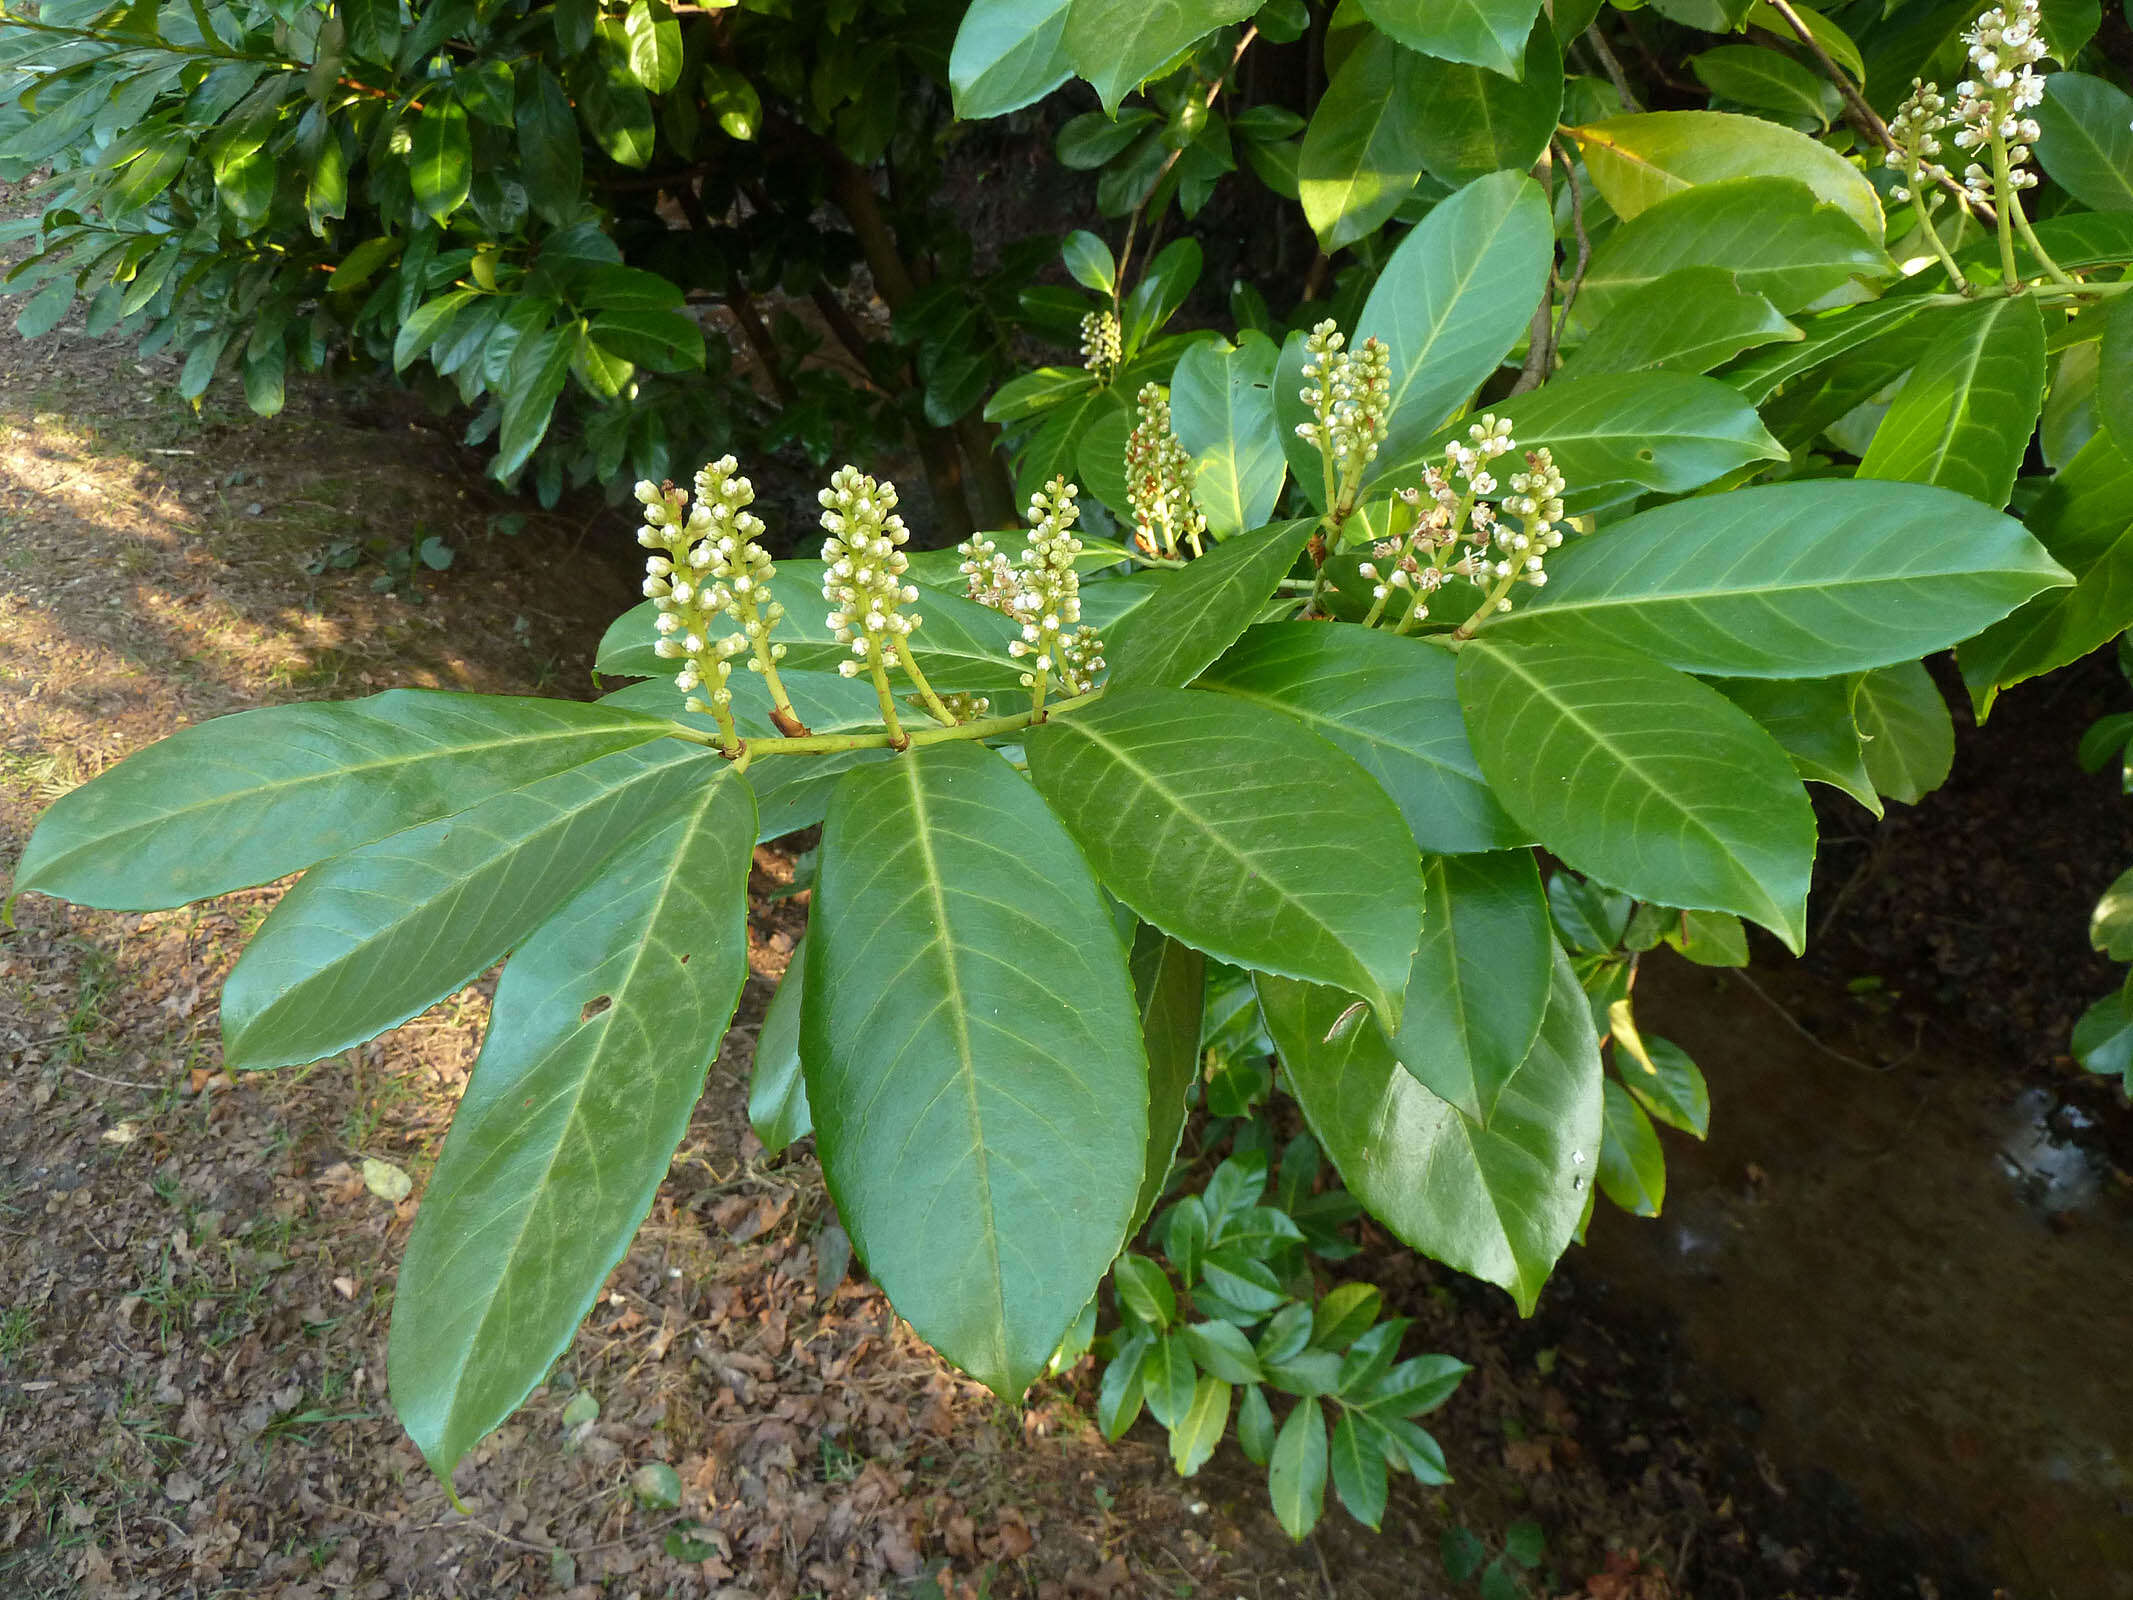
1362	643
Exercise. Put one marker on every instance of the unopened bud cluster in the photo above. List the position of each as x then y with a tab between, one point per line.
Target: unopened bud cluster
1159	481
1041	591
707	564
1915	133
1101	347
1461	531
1992	106
863	580
1348	392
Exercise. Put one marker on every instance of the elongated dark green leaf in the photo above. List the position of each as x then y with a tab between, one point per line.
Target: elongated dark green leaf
1669	1085
1388	702
1632	1166
1296	1473
1115	44
2114	375
1641	776
1499	1202
1222	410
1963	418
1775	235
2103	1038
1479	985
1639	160
1485	33
2085	519
973	1056
1169	986
1768	79
605	1025
1480	121
553	161
777	1093
248	798
376	936
1362	153
1787	580
1359	1475
373	29
1907	734
1452	301
1691	320
1666	431
1193	1439
654	44
1829	334
1811	718
440	163
2087	143
1191	617
959	644
1008	54
1241	833
538	368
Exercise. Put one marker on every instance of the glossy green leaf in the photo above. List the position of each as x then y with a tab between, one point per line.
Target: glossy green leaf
535	382
1499	1202
2114	375
1359	1475
960	645
1479	985
1054	449
552	159
1908	736
1035	393
1479	121
973	1056
1255	1426
46	309
1362	153
1641	776
1143	1290
1169	986
1964	416
1826	33
1118	1403
1345	1314
1191	616
2084	518
606	1023
373	29
1008	54
1668	1084
777	1093
1811	718
1193	1439
613	106
1389	702
2103	1038
1632	1166
1164	284
1803	579
1483	33
1116	44
1691	320
1453	299
248	798
1296	1471
1222	1349
2087	142
1775	235
1639	160
1243	834
654	45
376	936
440	160
1168	1379
1222	410
1089	261
1768	79
1829	334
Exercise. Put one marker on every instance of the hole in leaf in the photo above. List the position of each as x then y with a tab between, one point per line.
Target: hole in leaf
594	1007
1644	454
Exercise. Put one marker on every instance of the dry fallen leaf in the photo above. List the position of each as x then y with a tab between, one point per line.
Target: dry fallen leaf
388	1182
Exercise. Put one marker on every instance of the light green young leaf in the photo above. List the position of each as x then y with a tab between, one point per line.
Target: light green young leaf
605	1025
1643	777
1390	703
1008	54
1964	416
1908	736
1691	320
1222	410
1784	580
248	798
1116	44
1758	76
1483	33
1191	616
2103	1038
1277	851
984	1136
1479	985
1639	160
1296	1472
1670	1087
1480	121
2114	375
1194	1437
1359	1475
1362	153
1499	1202
1829	334
379	935
1632	1166
2087	142
777	1093
654	45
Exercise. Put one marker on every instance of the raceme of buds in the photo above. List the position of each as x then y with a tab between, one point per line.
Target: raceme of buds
1100	344
1991	106
1041	591
864	583
1159	481
707	564
1348	392
988	576
1915	131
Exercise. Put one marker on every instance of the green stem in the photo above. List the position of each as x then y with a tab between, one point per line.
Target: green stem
2056	272
897	739
832	743
2002	201
1502	587
766	663
1940	247
932	701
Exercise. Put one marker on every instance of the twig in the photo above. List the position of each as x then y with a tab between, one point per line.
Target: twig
1613	67
1214	93
116	1083
1540	340
1794	1024
1577	225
